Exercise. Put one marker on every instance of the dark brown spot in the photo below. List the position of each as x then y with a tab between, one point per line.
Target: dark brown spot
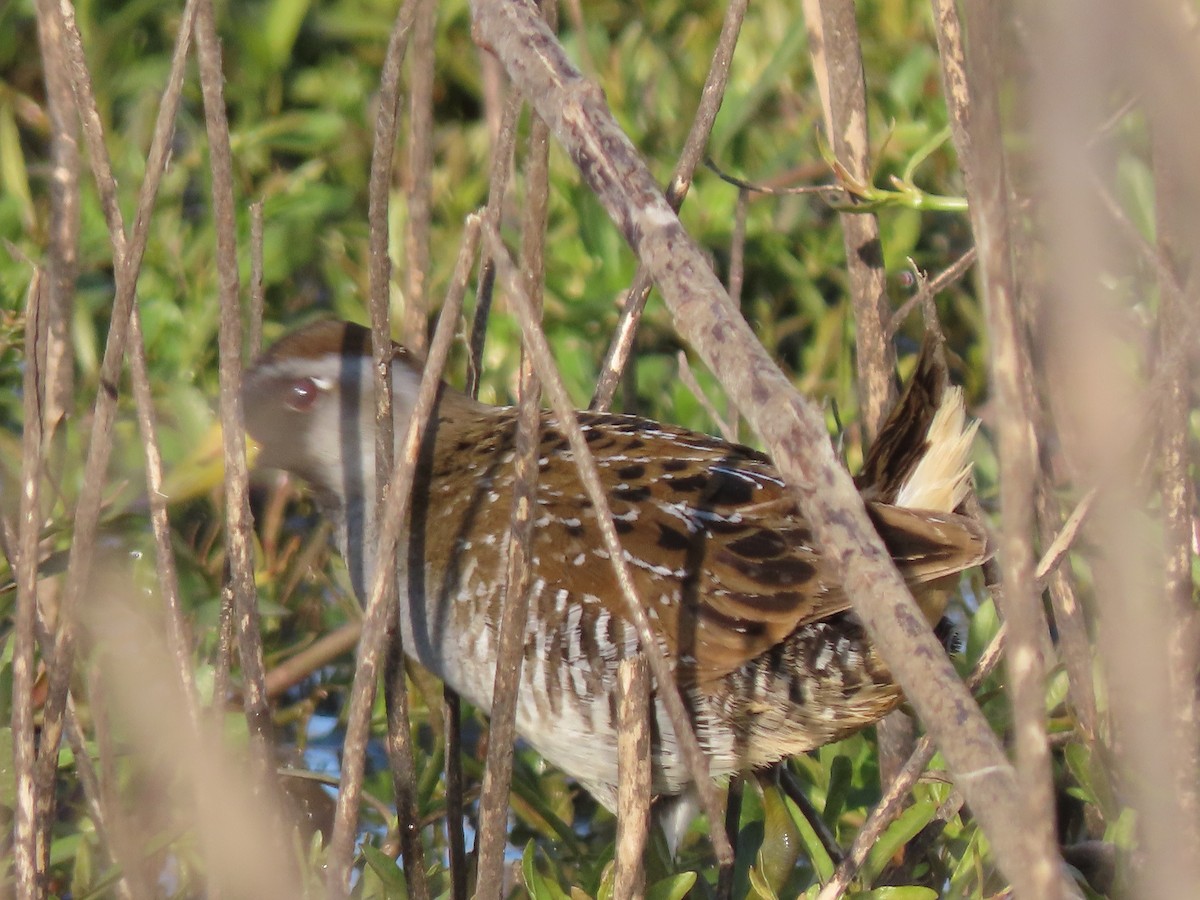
622	526
772	572
772	603
673	465
689	483
574	530
796	690
592	435
631	472
631	494
724	526
747	627
550	436
671	538
726	490
761	544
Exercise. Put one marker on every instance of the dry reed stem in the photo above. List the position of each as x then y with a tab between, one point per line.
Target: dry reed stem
514	616
838	71
239	541
257	292
792	429
63	227
987	181
399	736
455	803
664	679
419	180
501	171
493	803
1101	409
179	634
320	653
127	256
1176	226
376	615
229	810
634	783
728	431
711	95
28	871
984	169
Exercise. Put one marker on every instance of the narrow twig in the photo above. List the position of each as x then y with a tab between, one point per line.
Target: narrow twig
1176	221
374	620
27	869
689	381
510	652
179	636
493	802
319	653
420	180
633	777
455	804
239	540
838	69
127	257
257	293
984	168
733	821
928	288
1074	642
399	739
694	145
792	429
664	678
64	220
792	788
502	161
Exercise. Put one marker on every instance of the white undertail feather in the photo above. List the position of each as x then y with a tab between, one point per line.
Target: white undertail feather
942	477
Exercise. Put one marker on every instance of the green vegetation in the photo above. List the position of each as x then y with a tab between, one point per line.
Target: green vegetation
301	81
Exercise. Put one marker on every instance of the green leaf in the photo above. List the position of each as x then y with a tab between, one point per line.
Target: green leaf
899	892
391	879
539	886
673	887
841	774
899	833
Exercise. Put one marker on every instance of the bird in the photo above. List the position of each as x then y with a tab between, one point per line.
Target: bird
762	639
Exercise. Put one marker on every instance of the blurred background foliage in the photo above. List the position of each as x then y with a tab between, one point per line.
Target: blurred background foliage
300	87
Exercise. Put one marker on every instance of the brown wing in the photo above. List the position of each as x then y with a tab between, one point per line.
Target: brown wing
721	555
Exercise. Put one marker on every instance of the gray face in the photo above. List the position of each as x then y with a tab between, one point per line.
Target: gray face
308	403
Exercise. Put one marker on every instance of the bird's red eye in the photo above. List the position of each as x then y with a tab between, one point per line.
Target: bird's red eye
302	394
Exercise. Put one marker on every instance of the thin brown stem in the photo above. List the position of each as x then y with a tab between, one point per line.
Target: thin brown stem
127	257
370	650
633	777
694	145
28	871
664	678
239	541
